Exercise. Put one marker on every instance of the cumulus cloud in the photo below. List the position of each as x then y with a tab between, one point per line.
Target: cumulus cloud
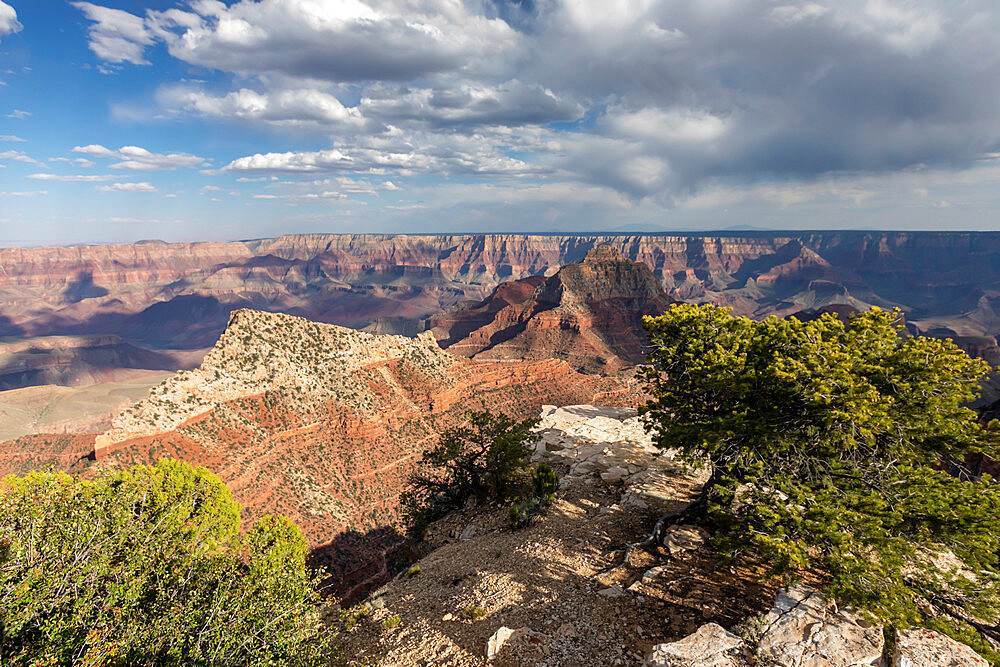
128	187
8	20
139	159
348	40
116	36
11	138
17	156
510	103
396	151
282	107
19	114
653	100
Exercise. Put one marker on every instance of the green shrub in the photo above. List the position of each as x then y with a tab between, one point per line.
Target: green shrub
830	446
472	613
391	622
487	459
148	567
543	482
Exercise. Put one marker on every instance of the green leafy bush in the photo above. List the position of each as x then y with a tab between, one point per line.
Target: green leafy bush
830	447
147	567
487	459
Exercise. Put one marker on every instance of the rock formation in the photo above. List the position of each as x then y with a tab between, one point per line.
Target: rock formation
179	295
804	630
589	314
80	360
317	422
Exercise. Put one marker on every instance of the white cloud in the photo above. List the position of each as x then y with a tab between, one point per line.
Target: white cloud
649	101
116	36
11	138
665	125
19	114
80	161
128	187
209	188
396	151
139	159
509	103
17	156
8	20
909	26
281	107
347	40
72	178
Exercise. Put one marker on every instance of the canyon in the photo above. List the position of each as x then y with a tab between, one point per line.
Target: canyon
179	295
79	315
316	422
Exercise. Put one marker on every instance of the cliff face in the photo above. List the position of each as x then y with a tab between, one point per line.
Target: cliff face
318	422
589	314
180	295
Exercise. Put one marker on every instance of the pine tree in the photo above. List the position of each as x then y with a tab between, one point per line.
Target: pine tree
838	449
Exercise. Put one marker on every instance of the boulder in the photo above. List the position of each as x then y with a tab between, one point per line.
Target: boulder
919	648
709	646
615	591
804	631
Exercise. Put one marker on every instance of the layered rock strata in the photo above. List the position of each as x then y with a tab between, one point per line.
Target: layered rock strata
589	314
320	423
180	294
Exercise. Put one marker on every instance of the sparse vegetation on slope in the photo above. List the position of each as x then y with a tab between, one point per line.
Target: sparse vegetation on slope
148	567
486	459
836	449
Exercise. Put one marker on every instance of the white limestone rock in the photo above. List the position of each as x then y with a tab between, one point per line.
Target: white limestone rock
710	646
804	631
922	648
496	642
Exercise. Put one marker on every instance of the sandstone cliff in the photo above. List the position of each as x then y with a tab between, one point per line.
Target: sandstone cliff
180	295
589	314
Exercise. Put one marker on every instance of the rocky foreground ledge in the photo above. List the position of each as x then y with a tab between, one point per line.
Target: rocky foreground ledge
556	593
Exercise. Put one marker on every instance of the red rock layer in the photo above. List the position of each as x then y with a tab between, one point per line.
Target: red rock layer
589	314
180	295
318	423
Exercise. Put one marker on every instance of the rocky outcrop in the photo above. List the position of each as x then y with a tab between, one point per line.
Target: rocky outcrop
804	630
80	360
589	314
919	647
710	646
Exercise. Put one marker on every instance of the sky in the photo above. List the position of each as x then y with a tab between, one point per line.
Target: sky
188	120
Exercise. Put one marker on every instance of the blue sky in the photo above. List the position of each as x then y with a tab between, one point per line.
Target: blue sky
205	120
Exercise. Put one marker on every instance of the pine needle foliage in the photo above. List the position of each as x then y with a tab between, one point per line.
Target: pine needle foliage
147	566
837	449
486	459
